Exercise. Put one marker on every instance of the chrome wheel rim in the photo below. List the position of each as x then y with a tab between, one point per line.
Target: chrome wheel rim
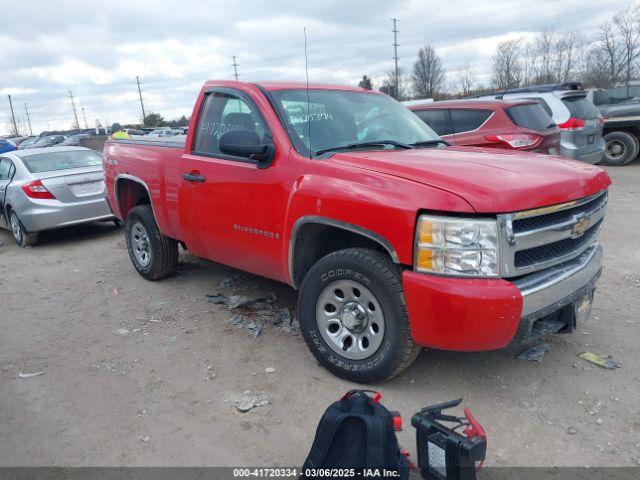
15	228
615	150
350	319
140	244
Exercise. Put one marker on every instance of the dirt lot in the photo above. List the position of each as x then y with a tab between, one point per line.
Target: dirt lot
141	373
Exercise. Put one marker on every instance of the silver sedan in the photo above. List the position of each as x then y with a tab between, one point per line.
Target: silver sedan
46	188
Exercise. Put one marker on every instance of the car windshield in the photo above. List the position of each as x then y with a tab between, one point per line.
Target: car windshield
331	119
51	161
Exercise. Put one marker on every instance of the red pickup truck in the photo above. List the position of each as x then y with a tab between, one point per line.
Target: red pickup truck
395	239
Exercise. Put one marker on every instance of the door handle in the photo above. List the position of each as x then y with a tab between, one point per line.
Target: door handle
193	177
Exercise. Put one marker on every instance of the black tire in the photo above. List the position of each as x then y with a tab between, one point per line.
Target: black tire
620	149
163	251
382	279
20	235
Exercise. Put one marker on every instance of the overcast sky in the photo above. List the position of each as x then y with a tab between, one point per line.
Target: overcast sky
96	49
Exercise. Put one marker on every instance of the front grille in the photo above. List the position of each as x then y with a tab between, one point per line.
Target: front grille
536	239
561	248
562	216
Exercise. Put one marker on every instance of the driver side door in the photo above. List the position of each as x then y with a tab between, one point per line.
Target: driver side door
231	210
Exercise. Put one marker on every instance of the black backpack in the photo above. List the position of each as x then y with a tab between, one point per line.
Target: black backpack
357	432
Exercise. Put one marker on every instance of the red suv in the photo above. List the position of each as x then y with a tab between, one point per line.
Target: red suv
517	125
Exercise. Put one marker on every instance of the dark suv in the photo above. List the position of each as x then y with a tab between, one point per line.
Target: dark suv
517	125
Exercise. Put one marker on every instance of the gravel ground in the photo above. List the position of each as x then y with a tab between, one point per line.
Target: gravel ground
141	373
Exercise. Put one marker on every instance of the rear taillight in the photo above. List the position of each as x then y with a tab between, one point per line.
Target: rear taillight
601	120
515	140
572	124
36	189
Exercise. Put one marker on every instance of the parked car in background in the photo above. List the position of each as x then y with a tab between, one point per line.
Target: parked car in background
6	145
48	141
515	125
18	140
27	142
621	127
47	188
162	132
579	120
134	131
73	140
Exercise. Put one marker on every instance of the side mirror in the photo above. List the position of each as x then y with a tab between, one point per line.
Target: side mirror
246	143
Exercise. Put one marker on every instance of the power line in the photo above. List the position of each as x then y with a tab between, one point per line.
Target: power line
26	110
75	112
395	56
235	67
13	117
144	117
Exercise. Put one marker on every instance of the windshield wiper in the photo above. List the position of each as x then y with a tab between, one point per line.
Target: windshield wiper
353	146
429	143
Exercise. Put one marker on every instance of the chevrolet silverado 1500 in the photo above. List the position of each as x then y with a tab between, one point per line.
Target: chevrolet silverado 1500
394	239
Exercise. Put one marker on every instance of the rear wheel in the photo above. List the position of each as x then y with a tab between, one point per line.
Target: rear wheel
620	149
20	235
353	317
153	255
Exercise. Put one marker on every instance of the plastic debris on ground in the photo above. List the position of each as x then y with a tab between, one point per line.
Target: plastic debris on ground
252	313
535	354
29	375
603	361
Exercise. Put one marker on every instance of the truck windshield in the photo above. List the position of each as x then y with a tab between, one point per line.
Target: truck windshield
331	119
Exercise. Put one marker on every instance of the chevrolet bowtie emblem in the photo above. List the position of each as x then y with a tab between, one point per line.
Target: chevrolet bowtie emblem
580	227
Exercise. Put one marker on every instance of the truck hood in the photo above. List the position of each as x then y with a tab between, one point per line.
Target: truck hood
490	180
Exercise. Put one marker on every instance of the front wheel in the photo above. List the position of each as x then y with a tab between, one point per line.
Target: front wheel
20	235
353	317
153	255
620	149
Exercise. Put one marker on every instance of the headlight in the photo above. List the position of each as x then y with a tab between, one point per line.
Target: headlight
457	246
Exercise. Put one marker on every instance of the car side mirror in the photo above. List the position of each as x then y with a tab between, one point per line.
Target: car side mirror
246	143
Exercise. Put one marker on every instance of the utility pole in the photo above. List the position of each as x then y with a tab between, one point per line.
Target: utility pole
75	112
144	117
395	56
26	110
13	117
235	67
84	115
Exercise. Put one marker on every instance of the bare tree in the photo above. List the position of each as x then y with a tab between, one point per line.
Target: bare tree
466	81
388	85
507	65
428	74
627	23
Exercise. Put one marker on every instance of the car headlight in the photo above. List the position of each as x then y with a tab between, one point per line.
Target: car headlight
457	246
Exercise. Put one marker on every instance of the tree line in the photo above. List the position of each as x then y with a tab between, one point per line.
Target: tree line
608	57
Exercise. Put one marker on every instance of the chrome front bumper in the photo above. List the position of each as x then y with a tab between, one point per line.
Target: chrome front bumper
549	291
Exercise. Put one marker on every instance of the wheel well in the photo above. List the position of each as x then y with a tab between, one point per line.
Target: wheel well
130	194
313	241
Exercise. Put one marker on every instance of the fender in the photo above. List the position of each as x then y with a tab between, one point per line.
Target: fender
338	224
126	176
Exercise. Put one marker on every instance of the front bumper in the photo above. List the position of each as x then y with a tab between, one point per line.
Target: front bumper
488	314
